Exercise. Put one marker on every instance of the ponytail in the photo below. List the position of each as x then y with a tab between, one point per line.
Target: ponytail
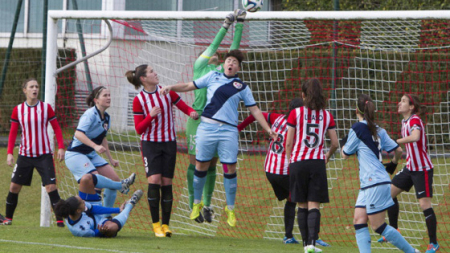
64	208
419	109
314	98
134	76
366	108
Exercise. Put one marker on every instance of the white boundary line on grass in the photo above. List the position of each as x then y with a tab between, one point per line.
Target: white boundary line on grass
62	246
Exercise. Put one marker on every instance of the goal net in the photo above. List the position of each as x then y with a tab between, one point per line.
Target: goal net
382	54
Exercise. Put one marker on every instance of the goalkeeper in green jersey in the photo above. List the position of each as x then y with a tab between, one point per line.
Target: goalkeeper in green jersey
206	62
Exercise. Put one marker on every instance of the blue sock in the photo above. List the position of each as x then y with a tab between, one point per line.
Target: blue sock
123	216
104	182
394	237
230	184
109	197
199	184
362	238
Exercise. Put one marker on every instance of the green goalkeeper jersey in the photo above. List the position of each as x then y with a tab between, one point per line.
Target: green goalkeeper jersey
201	66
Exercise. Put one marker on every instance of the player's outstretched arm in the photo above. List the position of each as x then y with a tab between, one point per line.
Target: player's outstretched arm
239	27
179	87
256	112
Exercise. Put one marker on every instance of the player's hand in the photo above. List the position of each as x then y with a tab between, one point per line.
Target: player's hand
10	160
327	158
390	167
114	163
193	115
155	111
122	206
229	19
273	135
240	15
343	141
100	149
61	154
164	90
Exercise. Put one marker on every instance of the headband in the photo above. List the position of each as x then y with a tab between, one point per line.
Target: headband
99	90
357	108
411	101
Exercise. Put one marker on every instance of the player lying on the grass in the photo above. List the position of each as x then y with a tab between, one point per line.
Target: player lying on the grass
218	130
418	171
32	116
82	155
154	121
367	140
305	140
87	220
206	62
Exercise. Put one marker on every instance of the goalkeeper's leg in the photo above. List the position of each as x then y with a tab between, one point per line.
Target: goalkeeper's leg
208	213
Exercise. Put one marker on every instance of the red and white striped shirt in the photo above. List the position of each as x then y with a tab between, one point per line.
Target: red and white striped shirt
276	161
160	128
33	121
310	128
417	158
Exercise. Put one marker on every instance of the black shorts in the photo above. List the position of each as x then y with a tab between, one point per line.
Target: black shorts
159	158
280	185
23	171
422	181
308	181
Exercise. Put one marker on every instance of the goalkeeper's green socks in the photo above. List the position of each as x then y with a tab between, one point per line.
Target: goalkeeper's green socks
190	182
209	186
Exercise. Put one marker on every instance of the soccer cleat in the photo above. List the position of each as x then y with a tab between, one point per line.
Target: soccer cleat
136	197
127	182
208	214
196	212
432	248
322	243
166	230
231	217
158	230
6	221
60	224
312	249
290	240
240	15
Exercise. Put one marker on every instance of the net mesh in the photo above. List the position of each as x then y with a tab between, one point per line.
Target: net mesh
381	58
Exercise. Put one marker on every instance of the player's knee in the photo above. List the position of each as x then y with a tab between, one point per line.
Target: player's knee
87	179
50	187
15	188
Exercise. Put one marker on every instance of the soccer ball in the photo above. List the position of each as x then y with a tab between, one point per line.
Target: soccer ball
252	5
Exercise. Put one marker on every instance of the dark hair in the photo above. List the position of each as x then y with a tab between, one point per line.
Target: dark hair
419	109
94	94
295	103
366	108
24	83
236	54
314	98
134	76
67	207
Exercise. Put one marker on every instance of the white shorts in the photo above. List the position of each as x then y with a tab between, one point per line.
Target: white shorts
81	164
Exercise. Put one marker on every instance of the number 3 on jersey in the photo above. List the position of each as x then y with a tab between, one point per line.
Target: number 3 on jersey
310	131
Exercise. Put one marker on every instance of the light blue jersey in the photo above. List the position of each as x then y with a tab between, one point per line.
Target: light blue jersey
86	225
94	127
360	140
223	96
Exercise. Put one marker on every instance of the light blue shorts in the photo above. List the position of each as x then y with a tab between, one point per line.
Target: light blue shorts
81	164
220	138
375	199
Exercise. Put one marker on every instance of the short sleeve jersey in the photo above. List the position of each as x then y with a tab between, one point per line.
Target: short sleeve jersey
94	127
223	96
417	157
310	128
361	142
33	121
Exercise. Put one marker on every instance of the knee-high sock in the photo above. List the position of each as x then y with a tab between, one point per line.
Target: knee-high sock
302	219
109	197
199	183
431	221
190	183
393	213
11	204
230	184
209	185
122	217
104	182
393	236
289	218
153	197
362	238
54	198
166	203
313	226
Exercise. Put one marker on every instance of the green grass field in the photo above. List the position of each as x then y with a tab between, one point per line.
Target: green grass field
136	236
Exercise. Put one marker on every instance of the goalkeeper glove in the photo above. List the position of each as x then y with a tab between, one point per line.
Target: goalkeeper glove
343	141
240	15
390	167
229	19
